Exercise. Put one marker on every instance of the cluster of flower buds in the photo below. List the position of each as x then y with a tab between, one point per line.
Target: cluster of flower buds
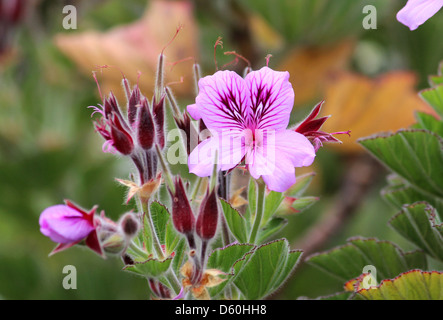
69	225
183	217
136	132
310	128
205	226
11	12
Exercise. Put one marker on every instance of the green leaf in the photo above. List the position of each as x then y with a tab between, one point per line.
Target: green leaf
411	285
434	97
252	201
303	182
172	238
180	256
164	228
303	203
147	234
429	122
415	155
236	222
438	79
223	259
348	261
150	268
418	223
272	202
399	195
271	228
160	218
264	270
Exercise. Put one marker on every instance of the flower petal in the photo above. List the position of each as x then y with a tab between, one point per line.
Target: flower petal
230	145
194	111
63	224
272	98
416	12
223	101
275	156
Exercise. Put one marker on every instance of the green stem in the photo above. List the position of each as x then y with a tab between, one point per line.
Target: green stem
196	188
156	243
139	250
167	174
173	281
260	206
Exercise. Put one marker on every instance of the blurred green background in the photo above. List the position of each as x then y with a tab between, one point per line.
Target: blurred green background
50	152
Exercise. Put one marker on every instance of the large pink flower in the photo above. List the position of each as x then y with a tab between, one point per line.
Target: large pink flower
416	12
248	120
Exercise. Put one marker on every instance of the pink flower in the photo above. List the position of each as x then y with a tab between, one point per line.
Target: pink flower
248	120
416	12
68	225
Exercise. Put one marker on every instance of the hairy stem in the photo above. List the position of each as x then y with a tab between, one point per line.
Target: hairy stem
261	187
156	243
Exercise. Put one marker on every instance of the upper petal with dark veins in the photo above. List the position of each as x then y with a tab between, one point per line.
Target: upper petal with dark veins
272	99
223	101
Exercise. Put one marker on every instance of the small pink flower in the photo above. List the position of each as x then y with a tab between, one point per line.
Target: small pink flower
416	12
248	121
68	225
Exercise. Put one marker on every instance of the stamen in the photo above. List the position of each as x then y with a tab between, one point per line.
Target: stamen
233	62
139	74
239	56
180	26
175	82
268	56
173	64
98	85
218	42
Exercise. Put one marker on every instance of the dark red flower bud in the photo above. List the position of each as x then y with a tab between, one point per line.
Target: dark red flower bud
160	290
182	215
12	10
159	119
145	126
208	216
133	102
121	140
185	124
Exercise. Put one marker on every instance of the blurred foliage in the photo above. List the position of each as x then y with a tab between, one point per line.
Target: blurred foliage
49	150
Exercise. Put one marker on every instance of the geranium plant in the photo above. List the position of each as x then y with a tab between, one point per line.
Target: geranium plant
194	243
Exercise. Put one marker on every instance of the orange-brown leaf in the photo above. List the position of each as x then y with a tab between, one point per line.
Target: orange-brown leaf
135	47
310	68
367	106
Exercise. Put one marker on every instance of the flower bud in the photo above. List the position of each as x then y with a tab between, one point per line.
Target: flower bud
208	216
160	290
133	102
182	215
129	224
159	118
11	11
68	225
145	126
64	224
121	140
